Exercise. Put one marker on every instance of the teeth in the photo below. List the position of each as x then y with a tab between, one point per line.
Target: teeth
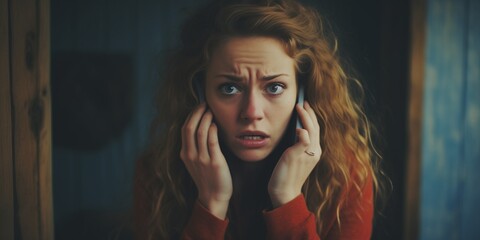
252	137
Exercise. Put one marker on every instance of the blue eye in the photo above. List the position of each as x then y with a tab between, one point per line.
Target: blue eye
275	88
229	89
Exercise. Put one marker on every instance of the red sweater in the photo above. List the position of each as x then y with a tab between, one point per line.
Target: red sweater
294	221
250	221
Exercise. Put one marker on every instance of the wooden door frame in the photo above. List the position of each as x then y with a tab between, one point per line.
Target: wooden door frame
25	121
415	108
6	154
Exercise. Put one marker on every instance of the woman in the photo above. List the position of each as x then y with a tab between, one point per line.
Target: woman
232	165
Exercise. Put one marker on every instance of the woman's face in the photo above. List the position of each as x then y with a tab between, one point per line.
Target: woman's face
251	89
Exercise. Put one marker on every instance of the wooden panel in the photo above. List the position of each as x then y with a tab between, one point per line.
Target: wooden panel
30	61
470	228
443	120
45	137
417	60
6	157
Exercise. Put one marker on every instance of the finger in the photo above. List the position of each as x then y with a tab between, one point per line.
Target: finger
199	107
213	144
312	114
315	135
189	146
306	146
183	136
305	118
302	144
303	138
202	136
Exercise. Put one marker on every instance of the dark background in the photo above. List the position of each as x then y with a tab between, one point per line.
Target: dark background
106	56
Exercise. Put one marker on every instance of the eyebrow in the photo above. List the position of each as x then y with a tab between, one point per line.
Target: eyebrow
237	78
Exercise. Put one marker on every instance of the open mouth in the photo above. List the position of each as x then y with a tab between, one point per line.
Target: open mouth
252	137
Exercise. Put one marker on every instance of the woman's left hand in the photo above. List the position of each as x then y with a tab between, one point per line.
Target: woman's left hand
298	161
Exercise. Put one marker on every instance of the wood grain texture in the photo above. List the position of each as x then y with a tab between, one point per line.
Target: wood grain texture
30	71
45	136
6	155
25	143
417	60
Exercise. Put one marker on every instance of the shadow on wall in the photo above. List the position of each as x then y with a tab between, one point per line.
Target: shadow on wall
92	102
93	99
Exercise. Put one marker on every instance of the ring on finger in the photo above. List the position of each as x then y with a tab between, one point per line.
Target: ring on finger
309	153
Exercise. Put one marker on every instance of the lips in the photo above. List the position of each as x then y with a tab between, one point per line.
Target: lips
252	139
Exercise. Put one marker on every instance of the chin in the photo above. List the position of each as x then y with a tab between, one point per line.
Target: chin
252	155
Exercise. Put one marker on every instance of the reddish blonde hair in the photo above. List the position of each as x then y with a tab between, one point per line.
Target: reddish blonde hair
166	192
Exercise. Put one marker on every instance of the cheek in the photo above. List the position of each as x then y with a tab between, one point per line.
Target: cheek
224	115
281	113
281	116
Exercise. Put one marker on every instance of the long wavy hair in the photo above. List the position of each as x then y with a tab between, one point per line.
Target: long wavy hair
165	192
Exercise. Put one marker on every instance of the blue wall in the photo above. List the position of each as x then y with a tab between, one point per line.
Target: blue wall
451	122
93	189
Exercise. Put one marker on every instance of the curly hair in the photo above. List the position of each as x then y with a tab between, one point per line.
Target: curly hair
165	193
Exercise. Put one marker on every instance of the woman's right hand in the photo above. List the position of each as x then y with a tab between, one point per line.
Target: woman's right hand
205	162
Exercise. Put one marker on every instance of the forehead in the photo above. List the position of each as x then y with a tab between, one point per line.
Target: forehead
260	52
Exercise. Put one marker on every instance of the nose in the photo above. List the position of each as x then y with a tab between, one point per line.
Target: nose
252	107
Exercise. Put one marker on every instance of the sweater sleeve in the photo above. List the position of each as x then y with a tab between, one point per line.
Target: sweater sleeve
291	221
294	221
355	216
204	225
